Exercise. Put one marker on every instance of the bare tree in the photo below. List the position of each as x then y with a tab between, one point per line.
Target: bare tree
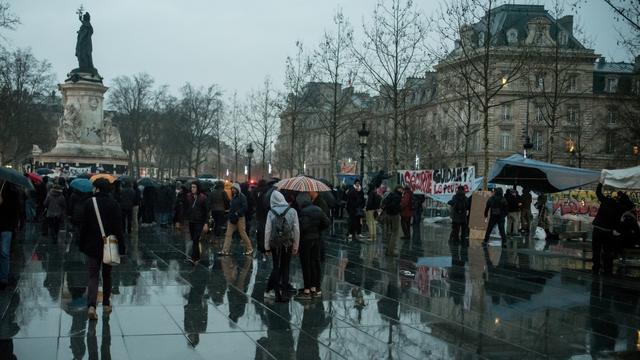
469	25
262	117
201	110
299	72
392	51
235	135
8	20
335	66
132	99
26	86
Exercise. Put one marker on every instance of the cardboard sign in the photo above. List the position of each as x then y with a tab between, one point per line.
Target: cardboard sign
477	225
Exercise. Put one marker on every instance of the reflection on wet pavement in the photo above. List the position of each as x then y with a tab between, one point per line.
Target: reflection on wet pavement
438	300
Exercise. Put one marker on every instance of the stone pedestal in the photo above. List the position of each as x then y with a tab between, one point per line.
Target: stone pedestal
86	137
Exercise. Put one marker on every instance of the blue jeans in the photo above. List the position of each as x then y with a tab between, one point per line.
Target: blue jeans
5	255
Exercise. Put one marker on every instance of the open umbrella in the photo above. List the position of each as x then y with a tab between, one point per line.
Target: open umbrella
148	182
82	185
35	178
110	178
44	171
302	183
14	177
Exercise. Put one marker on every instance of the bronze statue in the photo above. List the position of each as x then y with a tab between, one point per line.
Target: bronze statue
84	46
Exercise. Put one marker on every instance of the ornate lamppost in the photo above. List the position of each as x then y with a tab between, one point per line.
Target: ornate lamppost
250	156
362	134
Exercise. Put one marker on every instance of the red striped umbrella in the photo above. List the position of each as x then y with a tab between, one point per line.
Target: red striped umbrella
302	184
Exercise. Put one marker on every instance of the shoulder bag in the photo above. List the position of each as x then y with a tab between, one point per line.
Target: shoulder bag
110	255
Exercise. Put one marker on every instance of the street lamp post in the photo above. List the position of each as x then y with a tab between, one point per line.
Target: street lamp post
250	155
570	146
362	134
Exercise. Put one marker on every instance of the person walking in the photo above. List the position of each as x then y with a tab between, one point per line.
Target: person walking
91	243
355	209
9	213
602	246
149	198
219	203
263	195
495	212
406	212
197	215
391	208
312	222
282	238
237	222
513	205
459	211
525	211
372	207
56	208
126	201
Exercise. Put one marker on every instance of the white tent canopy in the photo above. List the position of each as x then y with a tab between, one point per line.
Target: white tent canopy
628	178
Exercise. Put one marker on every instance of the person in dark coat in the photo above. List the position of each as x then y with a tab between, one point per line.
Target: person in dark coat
219	203
312	222
164	204
355	209
604	222
391	208
149	198
251	206
496	210
237	222
525	210
56	208
9	213
406	212
91	243
262	193
626	231
197	215
126	200
371	208
459	211
514	203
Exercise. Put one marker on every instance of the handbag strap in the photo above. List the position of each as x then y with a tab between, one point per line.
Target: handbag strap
95	206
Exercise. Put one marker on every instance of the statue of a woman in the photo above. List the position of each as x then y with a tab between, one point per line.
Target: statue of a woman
83	46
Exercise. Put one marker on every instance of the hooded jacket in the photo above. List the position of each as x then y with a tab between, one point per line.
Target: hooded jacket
238	206
312	219
459	208
496	205
55	203
218	200
279	205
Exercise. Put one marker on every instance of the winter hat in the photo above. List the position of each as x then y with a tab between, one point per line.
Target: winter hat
101	184
237	187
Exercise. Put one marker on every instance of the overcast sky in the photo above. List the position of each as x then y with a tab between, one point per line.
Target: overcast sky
230	43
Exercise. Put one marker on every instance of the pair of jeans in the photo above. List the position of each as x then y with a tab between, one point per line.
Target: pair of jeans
279	278
218	220
127	220
5	255
392	232
371	223
195	230
94	265
355	227
240	227
513	222
493	221
310	262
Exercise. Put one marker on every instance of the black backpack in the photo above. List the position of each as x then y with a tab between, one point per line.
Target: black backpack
460	206
282	231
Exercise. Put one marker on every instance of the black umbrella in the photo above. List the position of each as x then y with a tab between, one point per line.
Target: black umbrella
148	182
14	177
44	171
206	176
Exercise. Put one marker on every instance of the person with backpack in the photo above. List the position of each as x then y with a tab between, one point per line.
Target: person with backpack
312	222
91	243
391	208
459	212
237	222
282	238
197	215
495	212
56	208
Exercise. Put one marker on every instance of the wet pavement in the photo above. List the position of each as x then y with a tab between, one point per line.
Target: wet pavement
530	300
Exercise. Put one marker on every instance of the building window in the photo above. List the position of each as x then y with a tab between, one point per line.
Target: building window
512	36
540	81
573	83
573	113
563	37
612	116
473	143
612	85
481	39
538	140
610	143
506	112
505	140
539	113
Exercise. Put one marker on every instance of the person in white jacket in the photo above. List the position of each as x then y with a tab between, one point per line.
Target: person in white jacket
280	244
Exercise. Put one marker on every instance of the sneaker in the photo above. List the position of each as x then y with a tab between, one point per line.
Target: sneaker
223	253
248	253
106	309
92	313
317	294
271	294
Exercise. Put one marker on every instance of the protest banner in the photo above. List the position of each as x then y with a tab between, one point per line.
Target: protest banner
438	181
